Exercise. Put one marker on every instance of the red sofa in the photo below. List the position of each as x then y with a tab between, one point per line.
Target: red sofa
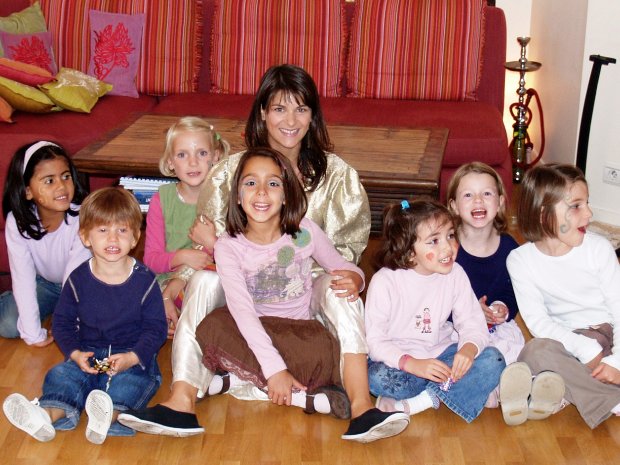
476	130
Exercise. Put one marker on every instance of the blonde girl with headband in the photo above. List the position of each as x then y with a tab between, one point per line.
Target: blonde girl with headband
192	147
41	206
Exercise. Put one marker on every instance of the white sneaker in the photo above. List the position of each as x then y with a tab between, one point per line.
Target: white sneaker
99	408
29	417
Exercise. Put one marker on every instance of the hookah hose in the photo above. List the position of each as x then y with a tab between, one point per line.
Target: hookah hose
525	106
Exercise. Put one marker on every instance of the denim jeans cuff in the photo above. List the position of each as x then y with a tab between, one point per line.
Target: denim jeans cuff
71	418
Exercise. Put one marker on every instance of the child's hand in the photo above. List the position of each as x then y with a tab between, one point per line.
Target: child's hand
172	316
82	360
428	368
347	283
196	259
122	361
203	232
496	314
595	362
280	387
606	374
463	360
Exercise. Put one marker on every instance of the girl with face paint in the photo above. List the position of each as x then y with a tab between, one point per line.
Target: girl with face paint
413	366
41	205
567	284
173	238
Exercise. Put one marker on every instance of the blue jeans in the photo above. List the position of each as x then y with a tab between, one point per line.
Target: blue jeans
48	294
66	387
466	398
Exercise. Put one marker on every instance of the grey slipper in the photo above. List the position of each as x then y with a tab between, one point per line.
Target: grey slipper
515	386
547	393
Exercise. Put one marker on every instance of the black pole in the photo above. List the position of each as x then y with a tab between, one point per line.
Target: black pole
588	108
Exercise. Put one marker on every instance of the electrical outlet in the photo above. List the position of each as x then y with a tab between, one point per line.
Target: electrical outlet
611	175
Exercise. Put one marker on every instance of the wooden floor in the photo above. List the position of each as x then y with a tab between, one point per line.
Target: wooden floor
239	432
244	433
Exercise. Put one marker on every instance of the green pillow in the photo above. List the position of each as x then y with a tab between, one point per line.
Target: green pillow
75	91
25	98
27	21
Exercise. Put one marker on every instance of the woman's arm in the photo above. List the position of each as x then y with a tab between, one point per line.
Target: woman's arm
346	211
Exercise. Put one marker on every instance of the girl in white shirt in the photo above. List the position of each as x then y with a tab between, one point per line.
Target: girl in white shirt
40	203
567	284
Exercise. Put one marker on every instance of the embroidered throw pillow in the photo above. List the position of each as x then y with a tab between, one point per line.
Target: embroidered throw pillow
169	58
25	21
115	50
33	48
249	36
23	72
416	49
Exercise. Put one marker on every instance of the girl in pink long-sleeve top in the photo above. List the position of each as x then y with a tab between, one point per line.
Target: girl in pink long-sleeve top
265	263
417	358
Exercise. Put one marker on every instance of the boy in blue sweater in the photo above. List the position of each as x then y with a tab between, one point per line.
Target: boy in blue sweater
109	324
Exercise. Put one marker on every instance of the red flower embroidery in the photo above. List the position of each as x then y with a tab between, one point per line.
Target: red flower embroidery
32	52
112	48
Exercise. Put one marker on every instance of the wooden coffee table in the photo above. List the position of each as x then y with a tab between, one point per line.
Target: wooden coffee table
393	163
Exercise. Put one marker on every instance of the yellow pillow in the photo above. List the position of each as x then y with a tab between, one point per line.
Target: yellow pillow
25	98
27	21
6	111
75	91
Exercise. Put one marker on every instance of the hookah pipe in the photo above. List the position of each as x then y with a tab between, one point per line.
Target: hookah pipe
521	144
520	129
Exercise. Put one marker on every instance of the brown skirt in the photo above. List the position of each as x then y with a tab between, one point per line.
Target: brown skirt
310	351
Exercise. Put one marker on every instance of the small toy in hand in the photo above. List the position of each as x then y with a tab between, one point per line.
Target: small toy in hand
445	386
102	366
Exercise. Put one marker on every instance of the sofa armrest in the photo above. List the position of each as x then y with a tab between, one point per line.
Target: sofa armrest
493	76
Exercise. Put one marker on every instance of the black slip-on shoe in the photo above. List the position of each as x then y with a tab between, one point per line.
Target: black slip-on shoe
161	420
375	424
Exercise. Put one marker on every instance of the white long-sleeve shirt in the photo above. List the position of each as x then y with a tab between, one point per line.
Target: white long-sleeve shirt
557	295
53	257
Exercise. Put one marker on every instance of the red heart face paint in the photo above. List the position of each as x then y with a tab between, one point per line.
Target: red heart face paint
436	247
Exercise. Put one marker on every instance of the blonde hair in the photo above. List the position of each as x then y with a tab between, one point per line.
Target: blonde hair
499	222
110	205
191	124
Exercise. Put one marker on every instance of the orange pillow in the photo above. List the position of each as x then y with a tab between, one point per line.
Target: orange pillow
6	111
25	73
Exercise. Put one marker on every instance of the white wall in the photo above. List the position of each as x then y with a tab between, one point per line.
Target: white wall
602	38
564	33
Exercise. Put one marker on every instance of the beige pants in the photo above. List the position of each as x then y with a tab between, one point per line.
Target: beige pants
204	293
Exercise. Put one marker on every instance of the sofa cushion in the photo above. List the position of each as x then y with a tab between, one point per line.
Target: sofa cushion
33	48
116	40
25	73
75	91
25	98
249	36
394	54
172	39
30	19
